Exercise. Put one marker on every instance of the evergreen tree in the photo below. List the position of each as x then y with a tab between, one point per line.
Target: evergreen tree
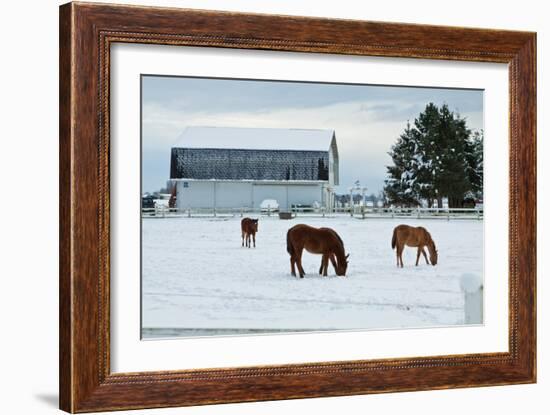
451	176
400	185
427	159
438	157
474	158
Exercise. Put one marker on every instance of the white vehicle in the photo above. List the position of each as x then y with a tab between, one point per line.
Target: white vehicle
269	205
161	203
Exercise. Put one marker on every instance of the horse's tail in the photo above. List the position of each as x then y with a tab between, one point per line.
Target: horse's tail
289	248
394	239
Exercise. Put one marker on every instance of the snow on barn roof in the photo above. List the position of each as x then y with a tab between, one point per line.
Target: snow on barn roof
255	138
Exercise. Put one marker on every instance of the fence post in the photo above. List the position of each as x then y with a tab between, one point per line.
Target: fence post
323	211
417	213
472	288
214	212
241	212
363	212
448	215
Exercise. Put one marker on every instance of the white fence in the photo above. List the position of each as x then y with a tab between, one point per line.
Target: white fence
358	212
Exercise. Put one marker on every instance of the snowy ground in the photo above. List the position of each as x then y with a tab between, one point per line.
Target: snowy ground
198	280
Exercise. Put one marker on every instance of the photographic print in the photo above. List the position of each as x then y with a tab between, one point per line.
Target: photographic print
274	206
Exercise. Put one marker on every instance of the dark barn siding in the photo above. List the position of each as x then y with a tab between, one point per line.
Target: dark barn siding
233	164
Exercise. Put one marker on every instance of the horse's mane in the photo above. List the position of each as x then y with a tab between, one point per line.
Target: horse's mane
340	239
337	236
431	241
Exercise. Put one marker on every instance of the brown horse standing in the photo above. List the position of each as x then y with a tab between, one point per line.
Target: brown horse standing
323	241
416	237
249	227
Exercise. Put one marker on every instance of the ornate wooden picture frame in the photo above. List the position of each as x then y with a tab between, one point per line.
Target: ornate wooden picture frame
87	32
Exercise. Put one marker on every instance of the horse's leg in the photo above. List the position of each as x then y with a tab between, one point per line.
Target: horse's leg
400	254
425	256
325	265
299	262
248	240
418	254
292	269
397	254
254	238
332	258
242	237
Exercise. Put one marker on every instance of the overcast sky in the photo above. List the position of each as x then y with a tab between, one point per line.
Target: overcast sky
367	119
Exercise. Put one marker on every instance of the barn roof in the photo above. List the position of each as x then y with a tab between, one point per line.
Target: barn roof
238	164
255	138
228	153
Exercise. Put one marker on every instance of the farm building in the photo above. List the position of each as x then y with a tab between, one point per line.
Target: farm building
222	167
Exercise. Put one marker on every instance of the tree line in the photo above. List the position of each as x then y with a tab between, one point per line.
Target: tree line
436	157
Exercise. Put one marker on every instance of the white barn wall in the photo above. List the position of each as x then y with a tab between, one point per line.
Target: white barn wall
234	194
306	194
197	195
228	194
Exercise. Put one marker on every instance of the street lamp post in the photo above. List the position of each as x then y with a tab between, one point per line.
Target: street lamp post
351	201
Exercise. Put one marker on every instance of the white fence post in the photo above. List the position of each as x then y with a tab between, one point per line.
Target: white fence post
472	288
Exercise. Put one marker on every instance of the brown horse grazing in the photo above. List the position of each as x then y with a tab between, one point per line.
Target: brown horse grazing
249	227
417	237
323	241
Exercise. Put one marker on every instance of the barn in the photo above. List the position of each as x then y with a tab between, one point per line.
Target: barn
228	167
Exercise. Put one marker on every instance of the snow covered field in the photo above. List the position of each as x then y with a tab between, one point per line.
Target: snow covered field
198	280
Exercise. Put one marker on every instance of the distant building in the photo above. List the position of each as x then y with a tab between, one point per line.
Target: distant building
226	167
